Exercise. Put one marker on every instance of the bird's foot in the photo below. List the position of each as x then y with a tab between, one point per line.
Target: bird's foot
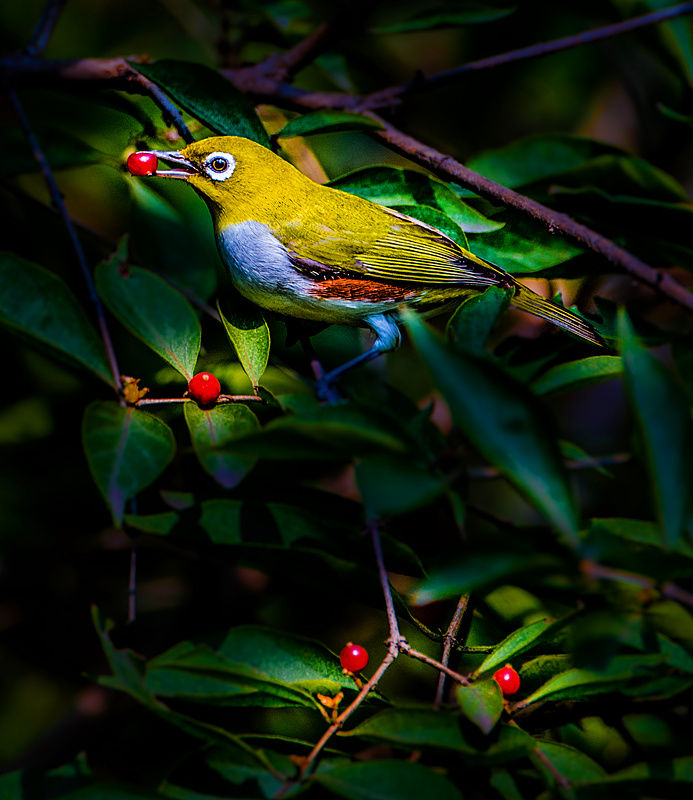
326	391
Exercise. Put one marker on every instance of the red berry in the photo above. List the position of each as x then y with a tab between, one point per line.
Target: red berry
204	388
353	658
508	679
142	163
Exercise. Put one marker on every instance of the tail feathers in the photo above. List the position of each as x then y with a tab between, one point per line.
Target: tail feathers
530	301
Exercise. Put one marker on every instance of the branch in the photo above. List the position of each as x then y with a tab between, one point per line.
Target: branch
390	96
449	639
44	29
487	472
59	203
447	168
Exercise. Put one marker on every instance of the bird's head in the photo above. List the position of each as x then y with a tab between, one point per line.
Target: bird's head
228	172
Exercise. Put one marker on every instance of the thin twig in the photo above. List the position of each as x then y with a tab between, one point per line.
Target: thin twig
57	199
408	650
449	169
487	472
171	112
449	641
44	29
391	95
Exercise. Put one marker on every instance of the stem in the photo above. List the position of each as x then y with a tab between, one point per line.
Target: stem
485	472
57	199
161	99
405	647
132	582
392	94
449	169
449	642
44	29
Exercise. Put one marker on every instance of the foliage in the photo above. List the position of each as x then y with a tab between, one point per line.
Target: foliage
540	485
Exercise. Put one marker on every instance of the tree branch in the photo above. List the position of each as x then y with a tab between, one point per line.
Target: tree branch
449	642
44	29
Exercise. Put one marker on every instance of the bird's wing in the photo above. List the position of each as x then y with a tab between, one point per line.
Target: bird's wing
401	250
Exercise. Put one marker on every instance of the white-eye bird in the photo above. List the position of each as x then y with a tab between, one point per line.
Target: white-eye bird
309	251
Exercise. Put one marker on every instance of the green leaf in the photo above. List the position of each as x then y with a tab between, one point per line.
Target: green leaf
450	15
127	449
504	421
572	764
391	186
538	157
152	311
658	778
174	242
248	665
38	304
523	639
578	374
210	429
249	334
205	94
391	486
327	122
386	780
36	783
424	728
578	684
482	703
471	325
663	419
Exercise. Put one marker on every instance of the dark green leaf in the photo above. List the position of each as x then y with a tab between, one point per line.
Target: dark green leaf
249	334
656	779
205	94
471	325
390	186
390	485
504	421
418	728
154	312
663	417
452	15
127	449
211	429
523	639
386	780
570	763
327	122
39	304
578	374
577	684
175	242
482	703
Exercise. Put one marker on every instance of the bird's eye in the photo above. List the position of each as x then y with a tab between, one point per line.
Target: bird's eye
219	166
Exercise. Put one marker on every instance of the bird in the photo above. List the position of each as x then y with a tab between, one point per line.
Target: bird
313	252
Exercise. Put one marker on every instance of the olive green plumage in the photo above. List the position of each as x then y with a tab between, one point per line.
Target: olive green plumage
314	252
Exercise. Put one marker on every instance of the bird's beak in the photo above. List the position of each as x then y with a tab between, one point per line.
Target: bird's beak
186	169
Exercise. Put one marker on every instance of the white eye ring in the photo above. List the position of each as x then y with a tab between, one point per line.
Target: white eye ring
220	166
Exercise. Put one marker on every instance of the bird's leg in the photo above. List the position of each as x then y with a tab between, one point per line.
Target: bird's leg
387	338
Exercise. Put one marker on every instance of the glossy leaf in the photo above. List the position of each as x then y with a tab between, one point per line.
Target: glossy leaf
205	94
570	763
211	429
665	778
390	186
154	312
451	15
327	122
521	640
390	485
38	304
249	334
471	325
577	684
127	449
175	241
481	703
248	665
509	427
424	728
663	418
578	374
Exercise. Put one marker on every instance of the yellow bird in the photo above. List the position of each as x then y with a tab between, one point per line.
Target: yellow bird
309	251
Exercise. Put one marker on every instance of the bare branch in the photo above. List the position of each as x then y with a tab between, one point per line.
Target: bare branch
447	168
388	97
59	203
44	29
450	637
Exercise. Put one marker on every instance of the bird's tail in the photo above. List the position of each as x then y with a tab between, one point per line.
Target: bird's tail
528	300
